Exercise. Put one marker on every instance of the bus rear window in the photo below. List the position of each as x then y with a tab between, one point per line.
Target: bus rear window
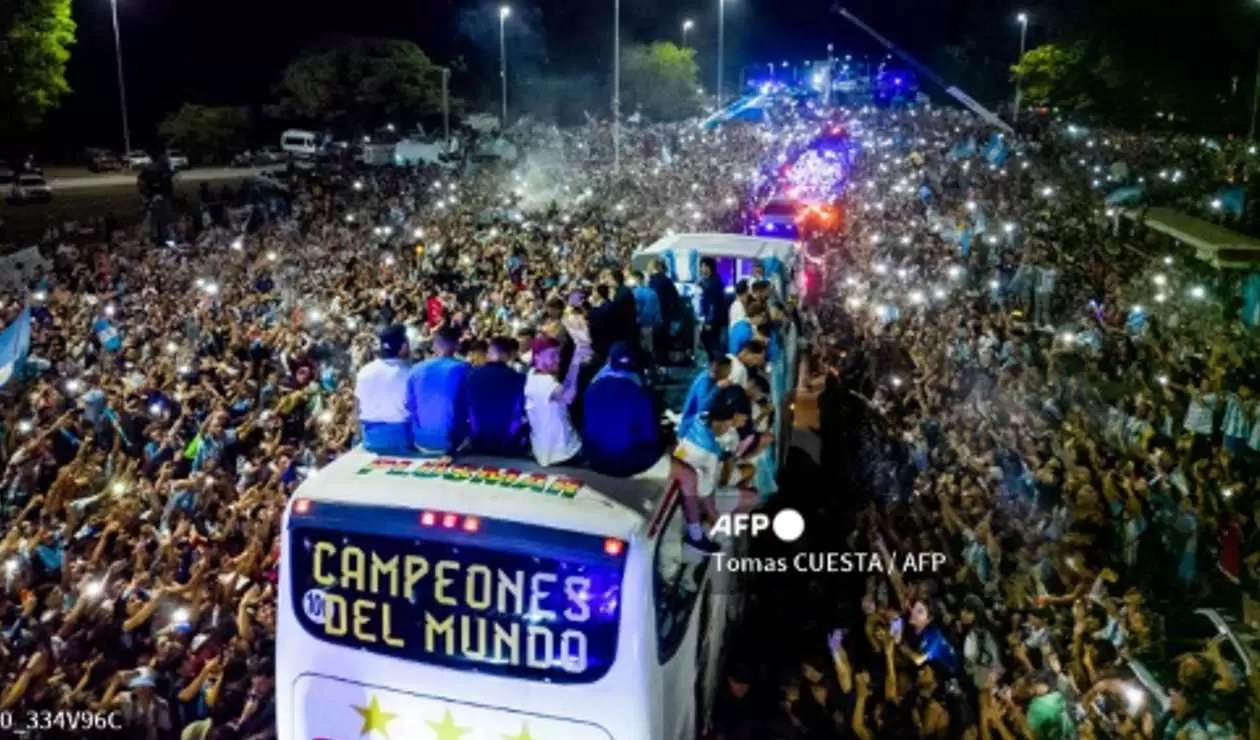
435	598
779	208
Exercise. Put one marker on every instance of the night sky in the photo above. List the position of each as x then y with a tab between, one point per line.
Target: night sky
232	51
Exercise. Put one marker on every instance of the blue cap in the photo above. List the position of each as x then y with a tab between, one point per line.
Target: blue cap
393	339
622	357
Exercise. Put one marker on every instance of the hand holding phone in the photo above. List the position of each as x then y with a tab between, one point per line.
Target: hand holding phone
896	628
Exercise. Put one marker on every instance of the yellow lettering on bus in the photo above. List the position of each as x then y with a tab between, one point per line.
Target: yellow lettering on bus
442	581
472	637
353	562
510	595
322	549
539	646
415	568
363	609
334	615
387	568
434	629
387	633
577	591
507	643
537	593
477	587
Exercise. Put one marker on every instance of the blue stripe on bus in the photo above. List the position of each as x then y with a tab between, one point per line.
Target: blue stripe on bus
525	539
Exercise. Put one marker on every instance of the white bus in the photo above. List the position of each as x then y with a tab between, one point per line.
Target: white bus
492	599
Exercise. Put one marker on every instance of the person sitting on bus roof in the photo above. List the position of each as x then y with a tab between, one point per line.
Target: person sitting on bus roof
700	469
552	436
620	431
437	399
647	314
742	330
380	390
703	390
496	403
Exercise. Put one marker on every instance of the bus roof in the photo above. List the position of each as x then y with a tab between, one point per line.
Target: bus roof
510	489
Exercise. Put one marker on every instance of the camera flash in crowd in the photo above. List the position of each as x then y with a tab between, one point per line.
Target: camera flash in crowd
939	294
358	184
314	315
212	289
994	284
1067	337
1198	292
1161	297
155	409
1160	279
389	260
853	302
905	240
185	370
1135	698
109	309
325	417
74	386
40	295
171	348
272	256
1163	380
971	205
895	380
916	297
94	589
119	488
349	218
954	272
1047	191
238	244
879	268
26	426
180	616
11	566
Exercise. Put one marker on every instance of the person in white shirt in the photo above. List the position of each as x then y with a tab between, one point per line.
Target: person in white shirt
552	435
700	469
742	295
380	390
751	355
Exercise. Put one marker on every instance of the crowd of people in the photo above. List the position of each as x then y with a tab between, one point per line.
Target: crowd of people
1066	408
1083	451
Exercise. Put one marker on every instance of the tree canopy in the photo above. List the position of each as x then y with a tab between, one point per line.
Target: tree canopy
661	80
208	133
35	41
361	82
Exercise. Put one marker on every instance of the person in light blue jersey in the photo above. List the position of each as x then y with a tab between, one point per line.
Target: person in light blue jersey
437	399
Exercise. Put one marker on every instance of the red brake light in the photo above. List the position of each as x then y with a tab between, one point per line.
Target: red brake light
302	506
449	521
428	519
471	524
614	547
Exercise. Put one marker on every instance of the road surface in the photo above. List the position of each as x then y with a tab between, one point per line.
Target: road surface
64	180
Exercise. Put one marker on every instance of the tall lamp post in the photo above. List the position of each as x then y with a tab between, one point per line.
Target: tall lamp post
616	100
446	105
721	42
831	63
122	88
1023	46
687	26
504	12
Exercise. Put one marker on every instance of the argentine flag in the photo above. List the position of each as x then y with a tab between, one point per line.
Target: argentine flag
995	151
1125	195
107	335
15	345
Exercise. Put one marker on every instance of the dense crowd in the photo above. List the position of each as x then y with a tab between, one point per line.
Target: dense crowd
1086	463
1066	408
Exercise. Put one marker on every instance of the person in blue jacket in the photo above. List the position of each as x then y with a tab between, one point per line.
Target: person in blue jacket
496	403
713	308
437	399
744	329
703	390
620	430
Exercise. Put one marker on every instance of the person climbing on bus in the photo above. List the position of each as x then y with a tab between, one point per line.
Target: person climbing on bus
703	390
700	468
380	391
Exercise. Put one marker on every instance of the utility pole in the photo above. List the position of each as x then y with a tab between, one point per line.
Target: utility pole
616	101
446	106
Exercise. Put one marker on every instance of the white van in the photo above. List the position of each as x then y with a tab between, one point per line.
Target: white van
303	144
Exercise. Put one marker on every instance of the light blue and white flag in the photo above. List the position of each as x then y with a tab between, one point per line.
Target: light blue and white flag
15	345
996	151
107	335
1125	195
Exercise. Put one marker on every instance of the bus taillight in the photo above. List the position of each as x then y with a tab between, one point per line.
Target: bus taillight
302	506
449	521
428	519
614	547
471	524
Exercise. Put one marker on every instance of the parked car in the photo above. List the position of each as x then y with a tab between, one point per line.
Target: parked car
177	159
137	159
30	188
103	160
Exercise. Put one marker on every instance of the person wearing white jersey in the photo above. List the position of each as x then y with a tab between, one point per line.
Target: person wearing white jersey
380	390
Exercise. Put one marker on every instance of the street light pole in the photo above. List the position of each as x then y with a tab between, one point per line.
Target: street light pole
1255	103
446	106
504	12
122	88
687	24
830	64
721	34
1023	45
616	101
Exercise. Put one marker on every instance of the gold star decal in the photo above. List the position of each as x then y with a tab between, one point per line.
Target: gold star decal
524	734
447	729
375	719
